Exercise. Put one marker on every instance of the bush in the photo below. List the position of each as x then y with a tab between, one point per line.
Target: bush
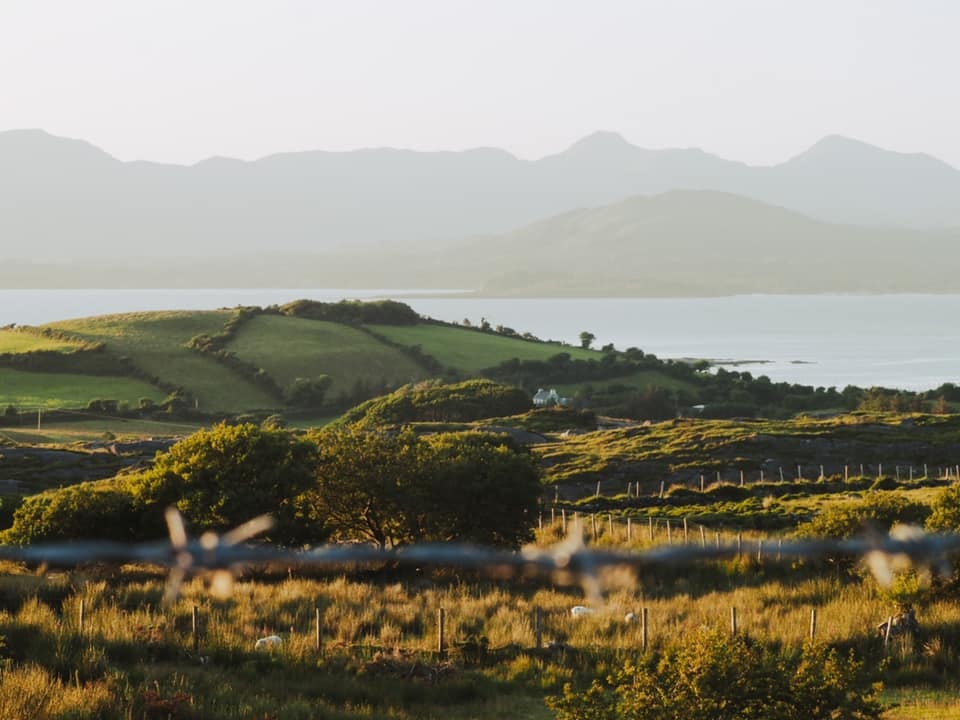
80	512
712	676
878	510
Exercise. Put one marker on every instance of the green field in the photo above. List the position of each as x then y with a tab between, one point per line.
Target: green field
94	429
29	390
155	342
15	341
640	380
289	348
470	350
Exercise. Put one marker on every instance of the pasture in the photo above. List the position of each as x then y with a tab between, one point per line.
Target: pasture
471	351
289	348
31	390
155	342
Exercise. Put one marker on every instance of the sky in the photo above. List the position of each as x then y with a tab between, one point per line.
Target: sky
752	80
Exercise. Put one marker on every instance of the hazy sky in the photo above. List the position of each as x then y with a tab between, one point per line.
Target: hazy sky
756	80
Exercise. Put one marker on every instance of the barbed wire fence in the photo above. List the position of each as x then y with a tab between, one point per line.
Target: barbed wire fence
884	555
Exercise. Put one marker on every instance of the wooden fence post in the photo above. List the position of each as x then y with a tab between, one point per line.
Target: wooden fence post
685	534
661	489
538	626
813	624
441	618
644	628
781	473
733	621
739	544
701	482
886	633
629	530
669	534
563	515
741	478
650	524
759	551
195	628
703	537
82	617
593	525
598	489
610	524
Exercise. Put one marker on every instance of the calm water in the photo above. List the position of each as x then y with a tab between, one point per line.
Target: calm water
892	340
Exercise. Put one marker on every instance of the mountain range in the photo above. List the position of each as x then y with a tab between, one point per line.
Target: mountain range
603	214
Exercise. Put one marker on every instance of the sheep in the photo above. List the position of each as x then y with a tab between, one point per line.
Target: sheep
580	611
268	643
630	618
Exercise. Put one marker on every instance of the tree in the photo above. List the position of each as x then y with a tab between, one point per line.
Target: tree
712	676
392	489
586	339
365	481
483	489
222	477
308	392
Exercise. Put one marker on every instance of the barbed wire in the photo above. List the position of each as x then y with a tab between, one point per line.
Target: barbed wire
226	555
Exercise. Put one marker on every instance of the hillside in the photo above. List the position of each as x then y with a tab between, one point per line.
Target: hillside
74	216
705	243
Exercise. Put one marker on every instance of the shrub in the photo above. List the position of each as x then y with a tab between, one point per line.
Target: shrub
712	676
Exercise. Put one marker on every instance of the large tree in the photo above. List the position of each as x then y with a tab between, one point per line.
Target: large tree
397	488
222	477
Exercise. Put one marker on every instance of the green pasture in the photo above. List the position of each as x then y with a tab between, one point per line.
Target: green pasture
94	429
17	341
154	341
470	350
640	380
289	348
28	390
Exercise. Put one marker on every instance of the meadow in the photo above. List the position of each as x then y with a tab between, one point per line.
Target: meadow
134	656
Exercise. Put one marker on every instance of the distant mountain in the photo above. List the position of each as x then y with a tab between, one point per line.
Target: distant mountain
705	243
680	243
66	199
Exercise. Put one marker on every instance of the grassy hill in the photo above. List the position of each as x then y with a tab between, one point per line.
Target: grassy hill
242	360
289	348
471	351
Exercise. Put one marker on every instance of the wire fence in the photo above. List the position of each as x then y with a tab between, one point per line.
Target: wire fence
905	546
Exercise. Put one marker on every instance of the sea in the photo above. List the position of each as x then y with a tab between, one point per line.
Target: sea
895	341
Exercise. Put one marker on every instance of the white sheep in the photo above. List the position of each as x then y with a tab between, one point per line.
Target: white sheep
630	617
268	643
580	611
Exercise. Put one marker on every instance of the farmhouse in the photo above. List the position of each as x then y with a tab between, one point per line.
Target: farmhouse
546	398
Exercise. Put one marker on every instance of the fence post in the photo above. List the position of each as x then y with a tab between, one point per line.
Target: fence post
540	521
701	482
598	489
593	525
644	628
538	626
650	524
563	515
779	549
741	478
718	539
195	628
629	530
799	472
669	534
739	544
733	621
610	524
886	633
703	538
781	473
318	638
441	617
759	550
761	473
813	624
822	476
661	489
685	534
879	470
846	473
82	616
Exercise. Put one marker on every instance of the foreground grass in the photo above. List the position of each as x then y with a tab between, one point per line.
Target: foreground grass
135	656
